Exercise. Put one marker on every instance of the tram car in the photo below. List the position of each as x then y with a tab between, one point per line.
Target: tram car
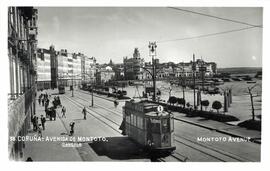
61	89
149	125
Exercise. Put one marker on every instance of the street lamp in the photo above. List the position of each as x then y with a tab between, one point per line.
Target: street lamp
152	53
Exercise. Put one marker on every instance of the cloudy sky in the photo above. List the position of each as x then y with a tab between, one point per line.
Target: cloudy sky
112	33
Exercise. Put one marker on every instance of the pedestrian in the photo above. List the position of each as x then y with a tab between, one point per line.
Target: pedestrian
71	128
34	123
115	103
63	112
43	120
39	130
53	113
39	100
84	113
42	101
59	101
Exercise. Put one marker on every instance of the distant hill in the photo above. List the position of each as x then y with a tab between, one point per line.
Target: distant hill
240	70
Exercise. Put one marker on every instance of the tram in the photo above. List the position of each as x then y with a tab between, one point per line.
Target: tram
61	89
149	125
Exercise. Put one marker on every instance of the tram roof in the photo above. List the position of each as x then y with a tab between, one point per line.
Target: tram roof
145	107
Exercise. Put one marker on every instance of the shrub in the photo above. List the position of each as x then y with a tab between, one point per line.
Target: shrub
172	100
181	101
205	103
217	105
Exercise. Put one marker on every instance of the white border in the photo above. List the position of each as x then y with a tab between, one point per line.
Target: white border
133	166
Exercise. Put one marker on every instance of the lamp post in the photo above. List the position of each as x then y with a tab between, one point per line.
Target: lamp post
152	53
92	94
194	83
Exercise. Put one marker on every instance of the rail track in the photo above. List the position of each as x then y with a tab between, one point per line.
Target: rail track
173	157
212	152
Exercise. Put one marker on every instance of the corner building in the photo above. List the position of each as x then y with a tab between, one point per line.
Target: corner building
22	43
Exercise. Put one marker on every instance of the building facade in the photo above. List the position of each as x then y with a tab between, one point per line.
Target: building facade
104	74
22	43
65	68
43	69
133	67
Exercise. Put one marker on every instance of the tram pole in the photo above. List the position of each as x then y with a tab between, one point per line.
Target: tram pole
194	91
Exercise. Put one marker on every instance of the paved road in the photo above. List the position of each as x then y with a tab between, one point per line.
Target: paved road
186	136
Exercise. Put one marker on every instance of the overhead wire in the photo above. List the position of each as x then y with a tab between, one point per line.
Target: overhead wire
251	26
207	35
216	17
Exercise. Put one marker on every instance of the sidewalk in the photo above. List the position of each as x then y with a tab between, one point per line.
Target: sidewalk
49	151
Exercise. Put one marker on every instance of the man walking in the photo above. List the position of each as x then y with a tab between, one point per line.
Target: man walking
84	113
39	99
63	112
43	120
34	123
71	128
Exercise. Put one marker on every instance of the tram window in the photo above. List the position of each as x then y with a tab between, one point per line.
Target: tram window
135	120
131	119
155	126
172	124
139	122
165	125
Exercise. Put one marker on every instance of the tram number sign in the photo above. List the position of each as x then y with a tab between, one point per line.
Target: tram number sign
160	108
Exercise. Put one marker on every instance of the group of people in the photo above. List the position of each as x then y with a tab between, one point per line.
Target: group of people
38	126
43	99
56	102
39	123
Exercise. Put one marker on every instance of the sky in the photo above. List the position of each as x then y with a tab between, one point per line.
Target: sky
113	33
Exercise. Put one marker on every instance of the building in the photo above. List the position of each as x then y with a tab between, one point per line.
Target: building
63	67
43	69
89	72
133	67
104	74
22	32
185	69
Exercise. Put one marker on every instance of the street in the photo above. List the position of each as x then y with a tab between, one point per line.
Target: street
104	119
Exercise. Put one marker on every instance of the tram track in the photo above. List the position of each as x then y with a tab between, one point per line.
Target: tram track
212	152
199	147
107	109
95	114
176	156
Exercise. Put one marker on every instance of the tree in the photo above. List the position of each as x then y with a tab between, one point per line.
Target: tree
205	103
217	105
181	101
172	100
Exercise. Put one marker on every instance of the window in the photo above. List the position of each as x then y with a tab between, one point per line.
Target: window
139	122
165	125
155	125
131	119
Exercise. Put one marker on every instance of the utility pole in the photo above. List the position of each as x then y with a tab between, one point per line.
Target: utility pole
72	85
202	69
152	52
194	84
92	94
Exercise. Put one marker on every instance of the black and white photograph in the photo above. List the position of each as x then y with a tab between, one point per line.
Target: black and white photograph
134	83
